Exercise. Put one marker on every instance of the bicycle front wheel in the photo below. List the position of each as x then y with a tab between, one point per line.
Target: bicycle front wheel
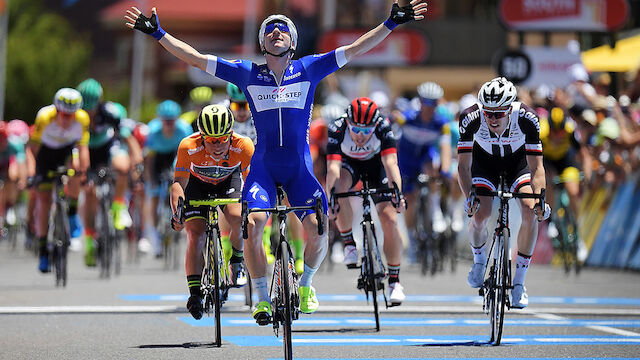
500	287
371	275
215	260
60	246
286	281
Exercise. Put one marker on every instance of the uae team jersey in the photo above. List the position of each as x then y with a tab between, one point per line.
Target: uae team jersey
340	144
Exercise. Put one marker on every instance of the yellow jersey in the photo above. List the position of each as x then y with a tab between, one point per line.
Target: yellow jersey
50	134
557	145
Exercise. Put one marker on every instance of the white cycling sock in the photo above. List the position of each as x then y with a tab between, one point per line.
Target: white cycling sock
479	254
307	275
261	288
522	265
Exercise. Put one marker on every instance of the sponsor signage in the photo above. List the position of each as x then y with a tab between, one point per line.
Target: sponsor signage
564	15
514	65
401	47
3	6
534	66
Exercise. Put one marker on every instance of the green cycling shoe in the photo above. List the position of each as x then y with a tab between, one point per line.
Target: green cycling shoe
308	300
262	313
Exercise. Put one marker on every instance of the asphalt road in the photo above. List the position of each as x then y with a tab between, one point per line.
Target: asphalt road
141	314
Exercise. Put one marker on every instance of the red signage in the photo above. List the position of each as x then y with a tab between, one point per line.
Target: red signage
2	5
401	47
564	15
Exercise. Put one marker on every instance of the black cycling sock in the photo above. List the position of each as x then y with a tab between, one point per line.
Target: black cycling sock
237	256
394	273
73	207
193	281
347	238
43	245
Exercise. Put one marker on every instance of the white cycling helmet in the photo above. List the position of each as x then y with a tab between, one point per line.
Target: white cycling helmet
274	18
498	92
67	100
430	90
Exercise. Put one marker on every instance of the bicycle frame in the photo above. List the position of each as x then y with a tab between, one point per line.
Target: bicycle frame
215	282
108	238
61	233
284	283
372	270
499	282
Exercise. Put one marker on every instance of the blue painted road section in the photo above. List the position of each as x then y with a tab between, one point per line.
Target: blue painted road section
415	298
404	322
442	340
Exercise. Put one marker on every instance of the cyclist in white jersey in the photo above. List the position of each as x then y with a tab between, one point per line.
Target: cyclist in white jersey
280	95
500	135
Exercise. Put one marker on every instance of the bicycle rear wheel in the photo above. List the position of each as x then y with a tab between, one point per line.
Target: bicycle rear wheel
286	281
372	285
60	246
500	287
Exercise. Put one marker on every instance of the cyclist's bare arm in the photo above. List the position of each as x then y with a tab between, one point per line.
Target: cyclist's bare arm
333	173
538	180
390	163
375	36
587	166
184	51
178	48
177	191
83	153
445	155
35	148
464	172
135	152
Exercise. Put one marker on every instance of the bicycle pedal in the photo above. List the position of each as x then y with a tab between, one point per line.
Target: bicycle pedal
353	266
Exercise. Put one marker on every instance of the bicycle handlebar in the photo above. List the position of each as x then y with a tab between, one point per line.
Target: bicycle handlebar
508	195
394	192
282	209
213	202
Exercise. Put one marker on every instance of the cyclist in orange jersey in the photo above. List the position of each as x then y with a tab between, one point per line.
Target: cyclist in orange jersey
211	163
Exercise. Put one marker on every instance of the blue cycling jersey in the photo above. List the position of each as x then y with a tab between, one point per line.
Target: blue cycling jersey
158	143
281	110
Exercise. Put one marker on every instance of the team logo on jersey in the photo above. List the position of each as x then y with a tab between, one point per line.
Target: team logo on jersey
287	78
193	151
263	198
206	173
254	191
273	97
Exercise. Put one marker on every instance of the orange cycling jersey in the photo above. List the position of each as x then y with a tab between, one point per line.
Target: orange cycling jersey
194	160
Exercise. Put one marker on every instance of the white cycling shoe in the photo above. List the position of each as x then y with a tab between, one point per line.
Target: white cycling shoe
476	275
351	256
396	294
519	297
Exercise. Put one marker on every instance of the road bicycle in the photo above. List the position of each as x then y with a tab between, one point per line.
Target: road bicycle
170	239
60	232
372	269
434	249
285	298
566	223
108	238
497	283
215	280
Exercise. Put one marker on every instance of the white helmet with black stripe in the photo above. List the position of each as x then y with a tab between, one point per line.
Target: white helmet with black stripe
498	92
278	18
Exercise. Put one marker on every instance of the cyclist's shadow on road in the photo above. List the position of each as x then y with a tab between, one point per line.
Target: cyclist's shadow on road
189	345
457	343
342	331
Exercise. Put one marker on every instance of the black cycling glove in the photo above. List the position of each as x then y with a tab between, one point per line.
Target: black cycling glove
399	15
149	26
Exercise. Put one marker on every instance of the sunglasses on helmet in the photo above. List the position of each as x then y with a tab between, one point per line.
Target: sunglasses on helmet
495	114
364	130
214	140
429	102
272	26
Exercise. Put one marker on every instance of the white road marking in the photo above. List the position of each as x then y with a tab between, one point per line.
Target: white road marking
607	329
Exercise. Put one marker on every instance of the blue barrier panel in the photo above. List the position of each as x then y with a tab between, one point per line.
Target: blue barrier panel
600	246
632	231
622	215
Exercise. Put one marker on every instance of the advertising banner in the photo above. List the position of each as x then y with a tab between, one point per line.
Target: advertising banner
533	66
564	15
402	47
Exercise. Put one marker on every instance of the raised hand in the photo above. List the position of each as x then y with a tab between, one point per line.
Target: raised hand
135	19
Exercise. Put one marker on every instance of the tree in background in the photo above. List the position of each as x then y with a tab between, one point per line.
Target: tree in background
44	53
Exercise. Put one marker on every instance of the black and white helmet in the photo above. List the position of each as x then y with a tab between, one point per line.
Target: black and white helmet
430	90
278	17
498	92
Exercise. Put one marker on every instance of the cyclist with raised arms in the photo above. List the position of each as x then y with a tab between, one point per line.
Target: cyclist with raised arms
60	129
361	144
280	96
499	134
211	163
